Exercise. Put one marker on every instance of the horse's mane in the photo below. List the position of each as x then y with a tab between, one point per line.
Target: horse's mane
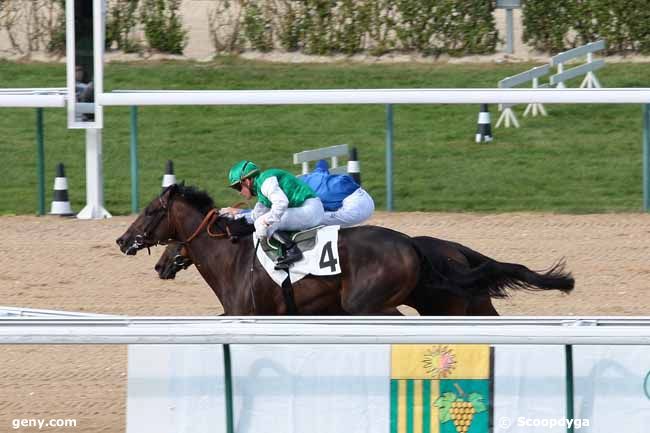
202	202
195	197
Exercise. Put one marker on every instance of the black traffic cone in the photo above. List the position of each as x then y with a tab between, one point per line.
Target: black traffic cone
61	202
169	178
484	129
354	167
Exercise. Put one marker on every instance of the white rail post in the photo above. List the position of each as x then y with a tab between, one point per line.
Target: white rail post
94	208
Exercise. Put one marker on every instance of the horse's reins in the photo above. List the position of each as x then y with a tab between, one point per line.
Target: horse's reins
180	259
208	220
163	210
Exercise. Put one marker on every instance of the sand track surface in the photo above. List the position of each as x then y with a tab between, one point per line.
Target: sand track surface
68	264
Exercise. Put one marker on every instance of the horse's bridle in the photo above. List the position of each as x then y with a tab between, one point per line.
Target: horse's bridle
143	240
180	260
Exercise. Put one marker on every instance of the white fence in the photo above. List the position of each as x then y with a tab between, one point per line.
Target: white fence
31	100
639	95
6	312
188	389
262	330
94	180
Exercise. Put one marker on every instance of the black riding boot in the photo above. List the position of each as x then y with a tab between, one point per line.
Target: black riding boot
291	251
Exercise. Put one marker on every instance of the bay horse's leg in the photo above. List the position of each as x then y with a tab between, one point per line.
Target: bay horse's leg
380	268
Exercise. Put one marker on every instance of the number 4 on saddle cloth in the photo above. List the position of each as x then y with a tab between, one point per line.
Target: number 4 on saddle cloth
320	251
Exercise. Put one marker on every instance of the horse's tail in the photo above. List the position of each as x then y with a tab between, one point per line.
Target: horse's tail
487	276
474	258
497	278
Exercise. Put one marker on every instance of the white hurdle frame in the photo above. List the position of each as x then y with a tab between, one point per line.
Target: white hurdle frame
507	115
590	80
333	152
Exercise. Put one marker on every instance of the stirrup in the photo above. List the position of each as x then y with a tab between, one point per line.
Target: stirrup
287	259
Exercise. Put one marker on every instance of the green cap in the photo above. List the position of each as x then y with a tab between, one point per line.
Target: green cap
242	170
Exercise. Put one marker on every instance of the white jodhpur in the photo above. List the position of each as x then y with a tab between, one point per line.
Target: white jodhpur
356	208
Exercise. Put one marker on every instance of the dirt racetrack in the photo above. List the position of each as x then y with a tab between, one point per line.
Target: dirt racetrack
73	265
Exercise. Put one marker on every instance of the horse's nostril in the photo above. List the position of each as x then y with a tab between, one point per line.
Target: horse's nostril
157	268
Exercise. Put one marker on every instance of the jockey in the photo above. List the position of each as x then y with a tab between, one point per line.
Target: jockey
345	202
283	203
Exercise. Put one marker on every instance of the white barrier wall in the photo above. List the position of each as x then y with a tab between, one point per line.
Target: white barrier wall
176	388
612	389
529	381
297	388
335	388
609	386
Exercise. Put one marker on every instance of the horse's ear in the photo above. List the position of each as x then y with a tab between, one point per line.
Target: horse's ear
168	188
167	194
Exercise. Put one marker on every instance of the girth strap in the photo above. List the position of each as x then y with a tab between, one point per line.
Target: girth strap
289	300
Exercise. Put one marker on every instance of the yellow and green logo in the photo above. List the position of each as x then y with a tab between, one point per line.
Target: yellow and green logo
440	388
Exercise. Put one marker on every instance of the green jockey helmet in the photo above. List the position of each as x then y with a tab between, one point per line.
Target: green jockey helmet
242	170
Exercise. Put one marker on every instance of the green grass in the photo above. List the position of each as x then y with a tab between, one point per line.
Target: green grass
581	158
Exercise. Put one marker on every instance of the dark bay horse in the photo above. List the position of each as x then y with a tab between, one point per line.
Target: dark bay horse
450	257
381	268
175	259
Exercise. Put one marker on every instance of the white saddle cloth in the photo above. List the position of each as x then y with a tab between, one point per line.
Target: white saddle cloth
322	259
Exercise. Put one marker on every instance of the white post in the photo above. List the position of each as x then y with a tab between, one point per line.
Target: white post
594	81
507	117
560	69
590	81
535	107
586	82
509	32
94	186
